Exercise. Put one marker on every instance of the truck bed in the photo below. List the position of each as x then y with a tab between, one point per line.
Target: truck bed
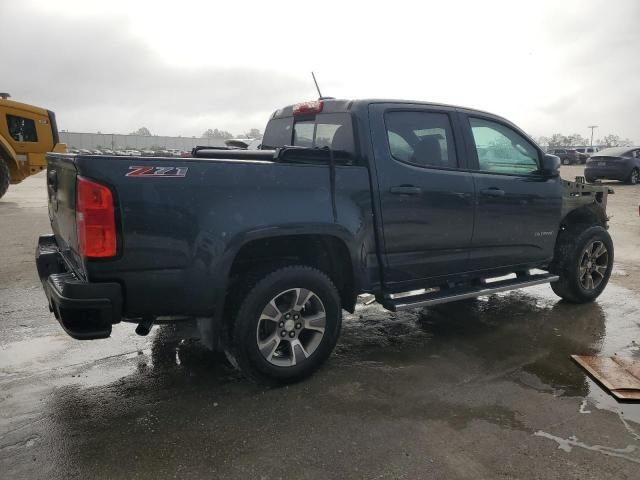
180	221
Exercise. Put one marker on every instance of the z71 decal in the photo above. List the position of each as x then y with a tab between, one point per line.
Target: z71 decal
165	172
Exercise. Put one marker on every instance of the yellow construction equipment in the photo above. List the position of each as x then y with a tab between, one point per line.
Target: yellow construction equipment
27	133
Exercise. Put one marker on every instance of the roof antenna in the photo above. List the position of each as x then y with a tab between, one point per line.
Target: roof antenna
317	87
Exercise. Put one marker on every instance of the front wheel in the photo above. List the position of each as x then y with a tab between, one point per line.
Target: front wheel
583	261
286	326
634	176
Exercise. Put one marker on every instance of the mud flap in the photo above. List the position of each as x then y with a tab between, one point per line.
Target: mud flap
619	375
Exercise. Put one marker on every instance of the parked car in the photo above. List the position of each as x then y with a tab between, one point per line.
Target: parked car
147	153
587	150
107	151
568	156
85	151
415	203
617	163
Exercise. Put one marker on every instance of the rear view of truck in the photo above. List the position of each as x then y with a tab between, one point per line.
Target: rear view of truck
280	236
83	220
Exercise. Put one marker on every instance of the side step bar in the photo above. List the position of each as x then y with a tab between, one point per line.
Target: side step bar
454	294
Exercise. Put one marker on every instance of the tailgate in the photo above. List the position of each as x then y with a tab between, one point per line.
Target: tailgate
61	191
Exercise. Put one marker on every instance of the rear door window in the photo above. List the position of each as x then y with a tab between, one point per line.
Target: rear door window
421	138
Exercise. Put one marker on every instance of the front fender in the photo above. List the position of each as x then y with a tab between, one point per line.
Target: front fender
583	202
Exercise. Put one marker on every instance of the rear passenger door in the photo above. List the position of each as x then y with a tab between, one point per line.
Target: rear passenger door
518	210
425	198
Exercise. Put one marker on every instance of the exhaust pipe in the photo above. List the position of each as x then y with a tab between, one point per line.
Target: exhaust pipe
144	327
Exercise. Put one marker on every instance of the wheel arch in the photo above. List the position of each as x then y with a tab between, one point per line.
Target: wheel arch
592	214
330	250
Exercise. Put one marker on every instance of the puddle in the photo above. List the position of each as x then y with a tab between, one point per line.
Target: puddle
567	445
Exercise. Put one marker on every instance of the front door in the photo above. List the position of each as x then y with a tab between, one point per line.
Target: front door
425	198
517	209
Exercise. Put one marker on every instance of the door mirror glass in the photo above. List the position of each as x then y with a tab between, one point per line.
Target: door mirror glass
550	165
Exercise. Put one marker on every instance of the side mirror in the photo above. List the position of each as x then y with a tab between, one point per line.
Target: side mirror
550	165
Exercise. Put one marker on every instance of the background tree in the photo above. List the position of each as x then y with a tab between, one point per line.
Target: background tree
614	141
217	134
144	131
542	141
254	133
558	140
575	140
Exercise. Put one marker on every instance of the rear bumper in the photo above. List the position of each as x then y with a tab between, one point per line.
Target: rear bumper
607	173
85	310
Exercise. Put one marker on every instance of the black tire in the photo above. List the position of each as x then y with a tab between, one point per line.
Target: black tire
565	161
634	176
569	257
244	334
589	179
5	177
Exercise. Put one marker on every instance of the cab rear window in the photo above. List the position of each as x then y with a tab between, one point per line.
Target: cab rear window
332	130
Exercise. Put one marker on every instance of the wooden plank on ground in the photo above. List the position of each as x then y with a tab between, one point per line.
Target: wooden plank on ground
620	375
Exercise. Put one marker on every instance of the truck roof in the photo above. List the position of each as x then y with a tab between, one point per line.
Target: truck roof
333	105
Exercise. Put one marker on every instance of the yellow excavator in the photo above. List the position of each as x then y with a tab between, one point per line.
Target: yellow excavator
27	133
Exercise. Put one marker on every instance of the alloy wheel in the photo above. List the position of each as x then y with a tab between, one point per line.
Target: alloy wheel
594	263
291	327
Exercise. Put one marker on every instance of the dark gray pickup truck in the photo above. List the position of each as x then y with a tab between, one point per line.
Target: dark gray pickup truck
415	203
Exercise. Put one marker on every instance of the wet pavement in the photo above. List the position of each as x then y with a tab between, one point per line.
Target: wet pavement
476	389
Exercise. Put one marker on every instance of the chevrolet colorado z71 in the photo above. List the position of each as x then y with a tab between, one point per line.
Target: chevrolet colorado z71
415	203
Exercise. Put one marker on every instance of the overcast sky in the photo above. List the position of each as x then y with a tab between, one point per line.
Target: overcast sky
179	68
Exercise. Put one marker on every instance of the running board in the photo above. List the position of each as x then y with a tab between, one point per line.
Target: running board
454	294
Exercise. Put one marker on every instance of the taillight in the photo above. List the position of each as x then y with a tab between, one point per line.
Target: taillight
308	108
95	219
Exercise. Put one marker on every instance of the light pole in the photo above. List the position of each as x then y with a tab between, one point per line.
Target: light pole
592	127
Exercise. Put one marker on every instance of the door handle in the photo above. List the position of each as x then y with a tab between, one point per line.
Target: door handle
406	190
493	192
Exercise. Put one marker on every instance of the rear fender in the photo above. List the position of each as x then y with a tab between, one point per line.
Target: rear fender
240	240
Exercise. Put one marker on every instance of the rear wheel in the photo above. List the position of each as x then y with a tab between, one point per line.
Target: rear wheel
583	261
286	326
565	161
5	177
634	176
